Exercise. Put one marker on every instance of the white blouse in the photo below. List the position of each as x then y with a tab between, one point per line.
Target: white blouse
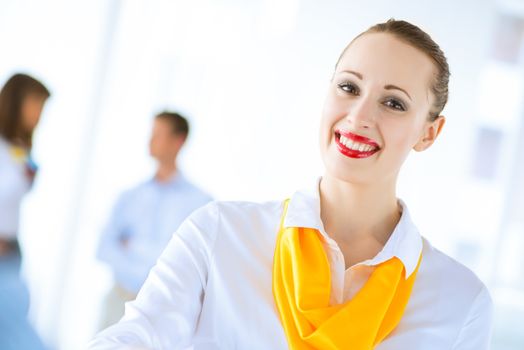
212	286
14	184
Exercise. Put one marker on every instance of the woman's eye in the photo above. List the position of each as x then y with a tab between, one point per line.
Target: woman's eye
349	88
397	105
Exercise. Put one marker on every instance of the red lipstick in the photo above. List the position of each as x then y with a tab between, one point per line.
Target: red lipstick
346	141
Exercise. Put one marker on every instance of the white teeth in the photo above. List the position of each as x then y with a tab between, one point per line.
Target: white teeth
356	146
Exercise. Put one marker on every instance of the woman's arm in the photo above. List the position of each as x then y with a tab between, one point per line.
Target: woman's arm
166	310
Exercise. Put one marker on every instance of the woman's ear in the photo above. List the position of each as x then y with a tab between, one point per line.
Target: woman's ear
431	131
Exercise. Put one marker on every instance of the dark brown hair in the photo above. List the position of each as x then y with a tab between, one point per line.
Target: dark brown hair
12	96
416	37
179	124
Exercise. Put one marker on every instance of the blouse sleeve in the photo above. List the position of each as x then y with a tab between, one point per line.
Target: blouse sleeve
477	328
165	312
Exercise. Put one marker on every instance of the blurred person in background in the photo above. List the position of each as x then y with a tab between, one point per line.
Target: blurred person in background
22	99
145	217
341	264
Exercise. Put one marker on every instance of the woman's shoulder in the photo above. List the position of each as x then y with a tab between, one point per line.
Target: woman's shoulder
9	165
4	148
233	225
236	215
230	216
449	277
240	209
456	301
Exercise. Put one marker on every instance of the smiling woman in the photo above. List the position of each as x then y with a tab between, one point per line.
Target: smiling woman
339	265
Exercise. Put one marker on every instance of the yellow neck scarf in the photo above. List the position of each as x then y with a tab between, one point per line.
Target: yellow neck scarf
302	285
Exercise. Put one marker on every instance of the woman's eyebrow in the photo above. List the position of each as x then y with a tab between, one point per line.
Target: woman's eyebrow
387	87
357	74
394	87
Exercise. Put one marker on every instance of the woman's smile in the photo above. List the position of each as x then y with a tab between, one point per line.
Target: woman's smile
355	146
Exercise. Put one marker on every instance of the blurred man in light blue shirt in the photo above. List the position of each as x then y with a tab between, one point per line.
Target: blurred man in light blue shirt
145	217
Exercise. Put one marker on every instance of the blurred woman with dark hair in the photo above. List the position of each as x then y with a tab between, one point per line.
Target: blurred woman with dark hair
22	99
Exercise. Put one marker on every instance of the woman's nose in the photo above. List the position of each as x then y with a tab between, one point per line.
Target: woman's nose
360	114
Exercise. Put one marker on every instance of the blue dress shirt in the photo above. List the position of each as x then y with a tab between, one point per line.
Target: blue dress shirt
142	223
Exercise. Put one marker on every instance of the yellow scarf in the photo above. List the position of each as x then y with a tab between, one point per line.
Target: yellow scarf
302	285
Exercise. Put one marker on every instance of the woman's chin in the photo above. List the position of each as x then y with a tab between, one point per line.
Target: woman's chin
349	175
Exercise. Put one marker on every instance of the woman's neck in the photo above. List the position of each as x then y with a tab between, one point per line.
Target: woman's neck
18	142
361	216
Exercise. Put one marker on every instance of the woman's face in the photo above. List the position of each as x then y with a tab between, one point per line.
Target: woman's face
32	106
377	109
